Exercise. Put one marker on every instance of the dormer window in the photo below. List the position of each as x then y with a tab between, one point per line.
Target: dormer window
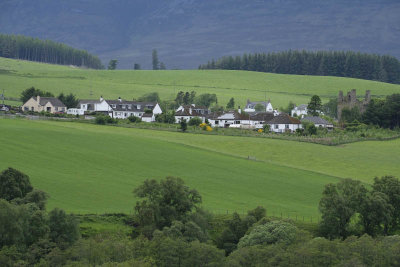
114	106
138	106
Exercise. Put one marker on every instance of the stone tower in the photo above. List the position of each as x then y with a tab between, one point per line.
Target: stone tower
350	101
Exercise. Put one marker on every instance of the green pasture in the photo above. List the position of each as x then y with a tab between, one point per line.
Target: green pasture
17	75
93	169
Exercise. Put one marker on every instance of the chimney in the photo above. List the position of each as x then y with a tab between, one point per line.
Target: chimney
340	98
119	99
38	99
101	98
239	110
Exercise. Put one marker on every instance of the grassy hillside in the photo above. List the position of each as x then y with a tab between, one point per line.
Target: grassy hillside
90	168
16	76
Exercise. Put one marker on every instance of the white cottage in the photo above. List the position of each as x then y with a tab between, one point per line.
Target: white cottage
123	109
299	110
284	123
251	106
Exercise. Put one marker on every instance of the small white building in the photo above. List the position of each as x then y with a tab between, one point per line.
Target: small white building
123	109
284	123
299	110
318	122
251	106
190	111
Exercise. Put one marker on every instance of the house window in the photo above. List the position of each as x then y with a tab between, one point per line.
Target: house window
56	108
62	109
287	126
216	122
48	109
126	114
276	126
237	122
114	106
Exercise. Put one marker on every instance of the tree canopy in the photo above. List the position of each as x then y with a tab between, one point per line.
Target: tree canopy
326	63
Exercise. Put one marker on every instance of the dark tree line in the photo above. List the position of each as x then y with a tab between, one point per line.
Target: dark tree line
326	63
34	49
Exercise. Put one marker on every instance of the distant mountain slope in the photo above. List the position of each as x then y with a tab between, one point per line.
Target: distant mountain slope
188	32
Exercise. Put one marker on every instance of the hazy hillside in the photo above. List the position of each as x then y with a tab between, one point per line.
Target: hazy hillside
188	32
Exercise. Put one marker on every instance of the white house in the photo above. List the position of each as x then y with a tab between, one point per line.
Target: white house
190	111
123	109
284	123
89	105
236	119
251	106
318	122
299	110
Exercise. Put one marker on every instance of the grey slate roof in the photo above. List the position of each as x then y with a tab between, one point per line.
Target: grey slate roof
54	101
284	119
316	120
124	105
302	107
252	104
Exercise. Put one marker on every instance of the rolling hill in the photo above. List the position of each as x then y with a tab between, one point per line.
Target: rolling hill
93	169
187	33
17	75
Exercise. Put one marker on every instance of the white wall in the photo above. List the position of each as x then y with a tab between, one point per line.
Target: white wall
281	128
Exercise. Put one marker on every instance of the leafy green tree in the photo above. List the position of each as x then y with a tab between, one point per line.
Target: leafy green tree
162	66
288	108
231	103
11	231
266	128
183	125
64	229
112	64
315	106
155	62
339	203
375	211
350	115
186	98
258	213
179	97
269	233
259	107
390	186
206	100
164	202
330	108
28	93
150	97
14	184
195	121
69	100
167	117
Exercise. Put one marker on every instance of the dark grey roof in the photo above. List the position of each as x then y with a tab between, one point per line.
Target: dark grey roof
53	101
124	105
252	104
89	101
316	120
186	112
284	119
302	107
262	116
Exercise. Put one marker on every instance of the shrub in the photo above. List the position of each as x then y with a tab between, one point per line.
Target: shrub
269	233
100	120
195	121
260	130
134	119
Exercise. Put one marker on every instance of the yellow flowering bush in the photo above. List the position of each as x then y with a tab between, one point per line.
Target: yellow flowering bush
208	128
203	124
260	130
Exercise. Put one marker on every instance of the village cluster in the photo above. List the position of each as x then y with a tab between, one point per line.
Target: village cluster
248	118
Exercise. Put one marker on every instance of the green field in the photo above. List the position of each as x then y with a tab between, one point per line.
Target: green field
88	168
16	75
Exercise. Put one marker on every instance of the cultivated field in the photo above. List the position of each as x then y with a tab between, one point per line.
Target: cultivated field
16	76
89	168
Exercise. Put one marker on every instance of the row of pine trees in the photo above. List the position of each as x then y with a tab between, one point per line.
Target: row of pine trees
325	63
33	49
